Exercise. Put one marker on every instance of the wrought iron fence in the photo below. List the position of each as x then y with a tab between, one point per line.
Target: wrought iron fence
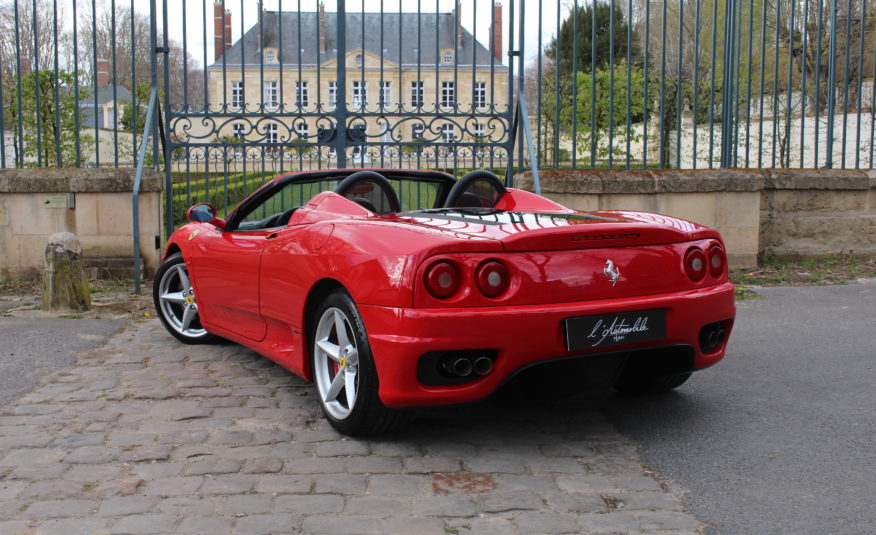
252	89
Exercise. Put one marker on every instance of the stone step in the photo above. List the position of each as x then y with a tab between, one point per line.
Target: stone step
110	267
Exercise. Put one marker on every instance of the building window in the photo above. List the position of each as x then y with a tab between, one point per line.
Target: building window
360	93
448	57
333	94
237	130
270	99
417	131
385	93
448	97
480	94
237	94
358	60
270	57
302	130
272	133
447	133
479	130
417	94
301	97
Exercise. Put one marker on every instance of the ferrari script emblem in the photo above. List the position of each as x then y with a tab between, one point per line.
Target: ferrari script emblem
611	271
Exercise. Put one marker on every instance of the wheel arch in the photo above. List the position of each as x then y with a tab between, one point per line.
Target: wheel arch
318	292
172	249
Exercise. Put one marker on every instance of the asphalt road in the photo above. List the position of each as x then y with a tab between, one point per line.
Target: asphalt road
31	349
780	437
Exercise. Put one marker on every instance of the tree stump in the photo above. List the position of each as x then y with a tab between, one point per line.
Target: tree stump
65	286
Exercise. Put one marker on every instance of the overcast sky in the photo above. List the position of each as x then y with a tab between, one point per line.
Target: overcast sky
194	14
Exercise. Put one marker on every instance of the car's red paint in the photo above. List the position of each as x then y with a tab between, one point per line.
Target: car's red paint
254	287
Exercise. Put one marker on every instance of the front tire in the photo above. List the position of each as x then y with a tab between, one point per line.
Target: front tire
344	372
174	300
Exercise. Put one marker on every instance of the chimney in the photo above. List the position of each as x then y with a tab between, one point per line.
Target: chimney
322	29
24	66
227	29
497	31
103	78
457	11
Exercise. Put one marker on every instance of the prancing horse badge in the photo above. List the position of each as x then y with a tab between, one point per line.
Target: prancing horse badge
611	271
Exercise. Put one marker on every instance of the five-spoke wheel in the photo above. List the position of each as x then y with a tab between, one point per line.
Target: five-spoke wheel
175	302
344	372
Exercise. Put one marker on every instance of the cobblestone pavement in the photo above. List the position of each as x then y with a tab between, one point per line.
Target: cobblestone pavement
145	435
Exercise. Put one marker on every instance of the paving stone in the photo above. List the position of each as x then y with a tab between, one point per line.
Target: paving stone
397	485
495	464
146	453
79	440
613	522
577	503
25	441
247	504
399	525
231	437
280	484
191	414
189	505
15	527
92	455
204	525
10	489
522	483
31	457
429	465
314	465
49	471
316	435
50	489
263	465
59	509
228	484
635	483
562	465
214	465
373	464
271	436
151	471
665	520
185	436
129	505
308	503
89	473
500	503
451	505
369	505
341	448
70	526
118	487
260	402
532	522
145	524
585	484
341	484
341	525
158	393
130	440
490	525
266	524
173	486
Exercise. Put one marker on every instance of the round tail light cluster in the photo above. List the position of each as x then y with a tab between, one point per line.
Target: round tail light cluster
443	279
697	263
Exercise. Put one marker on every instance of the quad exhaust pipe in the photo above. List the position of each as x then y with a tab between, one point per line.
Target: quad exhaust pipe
466	366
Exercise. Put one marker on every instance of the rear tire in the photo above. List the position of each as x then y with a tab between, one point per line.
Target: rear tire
653	385
344	372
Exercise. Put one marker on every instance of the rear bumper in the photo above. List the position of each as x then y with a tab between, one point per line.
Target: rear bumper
522	336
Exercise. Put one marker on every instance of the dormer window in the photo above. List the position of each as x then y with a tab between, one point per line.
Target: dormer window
270	57
448	57
358	60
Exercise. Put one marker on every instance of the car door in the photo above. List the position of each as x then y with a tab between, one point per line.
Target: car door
226	270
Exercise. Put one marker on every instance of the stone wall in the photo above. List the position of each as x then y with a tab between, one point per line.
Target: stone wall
34	205
763	211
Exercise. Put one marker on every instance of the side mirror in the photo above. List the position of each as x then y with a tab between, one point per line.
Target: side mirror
204	213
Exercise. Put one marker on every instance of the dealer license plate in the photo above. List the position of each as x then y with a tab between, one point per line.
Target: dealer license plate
607	330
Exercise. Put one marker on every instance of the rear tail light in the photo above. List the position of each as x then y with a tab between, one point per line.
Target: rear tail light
492	278
442	279
717	261
695	264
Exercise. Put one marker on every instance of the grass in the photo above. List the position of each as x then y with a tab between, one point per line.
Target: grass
821	270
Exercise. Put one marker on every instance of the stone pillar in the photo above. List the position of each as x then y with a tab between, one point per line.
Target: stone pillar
65	286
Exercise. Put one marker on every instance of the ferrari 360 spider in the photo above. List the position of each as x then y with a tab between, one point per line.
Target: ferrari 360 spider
393	289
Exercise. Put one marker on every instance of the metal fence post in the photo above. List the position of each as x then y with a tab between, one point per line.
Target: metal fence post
341	104
831	86
729	93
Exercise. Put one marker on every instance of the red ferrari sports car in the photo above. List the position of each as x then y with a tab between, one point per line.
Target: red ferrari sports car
393	289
